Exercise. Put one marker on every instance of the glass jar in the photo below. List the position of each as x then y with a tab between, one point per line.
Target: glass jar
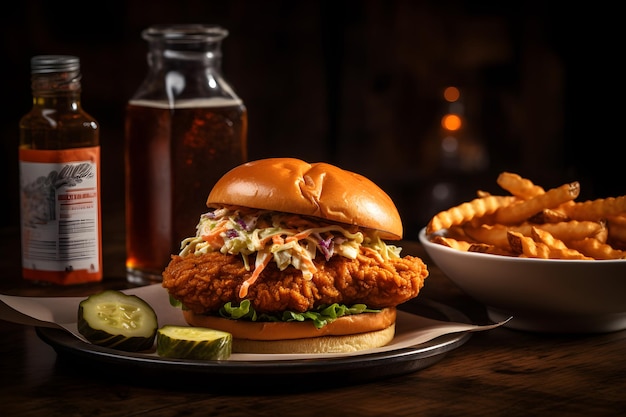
185	128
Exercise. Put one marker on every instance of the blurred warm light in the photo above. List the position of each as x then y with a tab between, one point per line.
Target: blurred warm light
450	144
451	94
451	122
456	107
442	192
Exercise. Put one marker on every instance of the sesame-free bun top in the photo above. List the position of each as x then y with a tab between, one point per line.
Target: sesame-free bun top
311	189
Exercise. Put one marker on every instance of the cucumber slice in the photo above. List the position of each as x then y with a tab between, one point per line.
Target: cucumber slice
117	320
184	342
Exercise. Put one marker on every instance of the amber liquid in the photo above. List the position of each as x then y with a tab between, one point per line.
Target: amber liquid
57	122
173	159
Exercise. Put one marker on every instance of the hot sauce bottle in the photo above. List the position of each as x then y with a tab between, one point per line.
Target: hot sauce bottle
59	164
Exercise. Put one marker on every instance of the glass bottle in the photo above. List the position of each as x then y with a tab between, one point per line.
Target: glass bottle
185	128
59	163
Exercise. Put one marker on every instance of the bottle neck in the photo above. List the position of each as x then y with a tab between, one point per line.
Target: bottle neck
185	46
184	63
57	89
169	57
68	103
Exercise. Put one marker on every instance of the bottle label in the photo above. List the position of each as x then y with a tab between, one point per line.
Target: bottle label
60	215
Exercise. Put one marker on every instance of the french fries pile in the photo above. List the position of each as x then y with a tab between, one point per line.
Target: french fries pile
534	223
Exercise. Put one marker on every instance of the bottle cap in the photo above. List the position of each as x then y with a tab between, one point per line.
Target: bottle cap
42	64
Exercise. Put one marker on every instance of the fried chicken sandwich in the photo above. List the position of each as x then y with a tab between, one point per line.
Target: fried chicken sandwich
291	258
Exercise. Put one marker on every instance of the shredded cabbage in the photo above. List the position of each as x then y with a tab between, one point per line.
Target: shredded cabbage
289	239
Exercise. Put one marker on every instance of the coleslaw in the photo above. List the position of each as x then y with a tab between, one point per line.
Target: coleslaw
284	238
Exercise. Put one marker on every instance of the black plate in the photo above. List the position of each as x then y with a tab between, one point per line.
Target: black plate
237	374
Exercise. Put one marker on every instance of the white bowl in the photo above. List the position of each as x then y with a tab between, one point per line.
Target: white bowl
542	295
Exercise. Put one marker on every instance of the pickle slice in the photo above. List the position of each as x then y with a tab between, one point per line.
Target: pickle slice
117	320
200	343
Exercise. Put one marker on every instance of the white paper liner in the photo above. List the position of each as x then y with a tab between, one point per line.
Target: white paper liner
62	312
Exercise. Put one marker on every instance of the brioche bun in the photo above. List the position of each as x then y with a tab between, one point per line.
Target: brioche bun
311	189
345	334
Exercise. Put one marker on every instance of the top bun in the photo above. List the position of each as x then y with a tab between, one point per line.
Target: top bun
318	189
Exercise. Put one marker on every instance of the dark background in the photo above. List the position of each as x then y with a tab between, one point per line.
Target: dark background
358	84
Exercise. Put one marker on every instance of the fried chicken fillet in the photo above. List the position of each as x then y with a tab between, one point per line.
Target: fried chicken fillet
206	282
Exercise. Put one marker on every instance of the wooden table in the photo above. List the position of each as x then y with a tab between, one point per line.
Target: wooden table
498	372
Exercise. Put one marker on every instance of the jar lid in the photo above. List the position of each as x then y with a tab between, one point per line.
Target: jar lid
185	33
42	64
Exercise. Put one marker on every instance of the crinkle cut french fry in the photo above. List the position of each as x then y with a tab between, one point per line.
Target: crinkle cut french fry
533	222
479	221
568	253
526	246
518	186
598	209
463	212
549	216
572	230
620	219
461	245
457	232
542	236
522	210
616	226
494	235
603	233
595	249
490	249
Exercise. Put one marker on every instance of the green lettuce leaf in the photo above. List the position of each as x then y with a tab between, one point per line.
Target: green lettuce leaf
320	316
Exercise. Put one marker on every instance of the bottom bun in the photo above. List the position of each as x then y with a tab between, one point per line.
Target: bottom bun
345	334
323	344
